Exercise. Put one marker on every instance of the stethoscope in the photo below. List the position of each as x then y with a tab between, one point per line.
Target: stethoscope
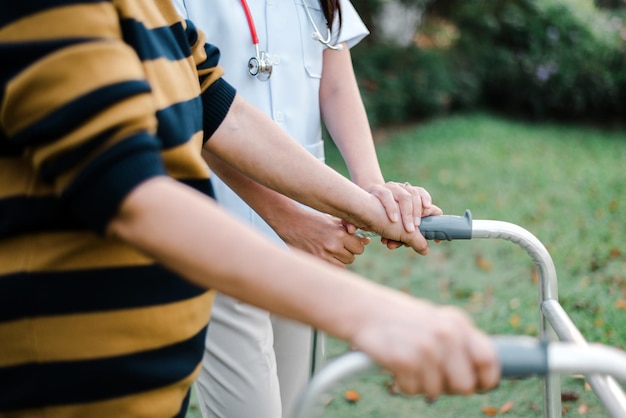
260	66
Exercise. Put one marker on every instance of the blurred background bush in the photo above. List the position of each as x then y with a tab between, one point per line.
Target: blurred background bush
544	59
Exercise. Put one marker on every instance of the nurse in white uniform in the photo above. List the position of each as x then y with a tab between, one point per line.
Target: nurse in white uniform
255	364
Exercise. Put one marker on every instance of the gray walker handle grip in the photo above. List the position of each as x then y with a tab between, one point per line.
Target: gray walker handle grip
443	227
521	356
447	227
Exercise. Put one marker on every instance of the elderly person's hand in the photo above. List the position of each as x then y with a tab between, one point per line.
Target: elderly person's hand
430	349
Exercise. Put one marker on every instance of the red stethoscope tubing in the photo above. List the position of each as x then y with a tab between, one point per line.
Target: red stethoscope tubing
246	9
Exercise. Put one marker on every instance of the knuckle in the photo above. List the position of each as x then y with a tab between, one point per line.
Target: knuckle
454	313
430	349
409	387
445	334
433	391
424	250
464	386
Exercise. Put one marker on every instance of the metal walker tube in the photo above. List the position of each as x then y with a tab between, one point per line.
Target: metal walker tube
555	324
567	349
548	290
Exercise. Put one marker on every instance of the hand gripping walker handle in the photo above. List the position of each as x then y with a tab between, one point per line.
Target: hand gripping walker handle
519	356
443	227
447	227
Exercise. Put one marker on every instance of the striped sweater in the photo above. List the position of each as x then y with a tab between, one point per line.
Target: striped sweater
96	97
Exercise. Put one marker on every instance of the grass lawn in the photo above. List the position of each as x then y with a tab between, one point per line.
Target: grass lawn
566	185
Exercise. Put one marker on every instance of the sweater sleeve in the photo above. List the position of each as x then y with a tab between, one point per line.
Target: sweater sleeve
77	103
217	94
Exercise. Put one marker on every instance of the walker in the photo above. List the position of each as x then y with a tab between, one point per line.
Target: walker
560	349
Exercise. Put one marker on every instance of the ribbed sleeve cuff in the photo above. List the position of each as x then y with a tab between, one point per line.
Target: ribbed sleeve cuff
96	195
216	101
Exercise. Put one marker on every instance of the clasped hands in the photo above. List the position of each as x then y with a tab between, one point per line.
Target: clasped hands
333	240
406	203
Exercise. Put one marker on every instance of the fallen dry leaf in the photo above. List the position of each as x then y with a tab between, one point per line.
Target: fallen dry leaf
620	304
351	396
490	411
583	408
506	407
599	213
444	288
488	296
535	276
483	263
514	320
569	396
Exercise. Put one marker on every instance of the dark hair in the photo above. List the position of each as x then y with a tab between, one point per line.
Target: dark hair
330	7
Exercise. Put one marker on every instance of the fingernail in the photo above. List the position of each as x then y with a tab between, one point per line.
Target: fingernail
395	217
418	221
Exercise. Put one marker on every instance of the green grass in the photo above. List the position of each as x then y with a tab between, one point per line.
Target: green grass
565	184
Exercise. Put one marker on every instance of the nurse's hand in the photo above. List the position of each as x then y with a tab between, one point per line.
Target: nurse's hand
321	235
404	202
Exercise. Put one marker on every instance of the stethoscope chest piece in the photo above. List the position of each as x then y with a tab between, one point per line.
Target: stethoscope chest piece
260	66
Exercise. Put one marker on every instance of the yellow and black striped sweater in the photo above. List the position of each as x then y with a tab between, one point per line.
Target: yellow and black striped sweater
96	97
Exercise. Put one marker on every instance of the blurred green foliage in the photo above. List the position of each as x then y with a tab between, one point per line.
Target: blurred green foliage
406	83
544	59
